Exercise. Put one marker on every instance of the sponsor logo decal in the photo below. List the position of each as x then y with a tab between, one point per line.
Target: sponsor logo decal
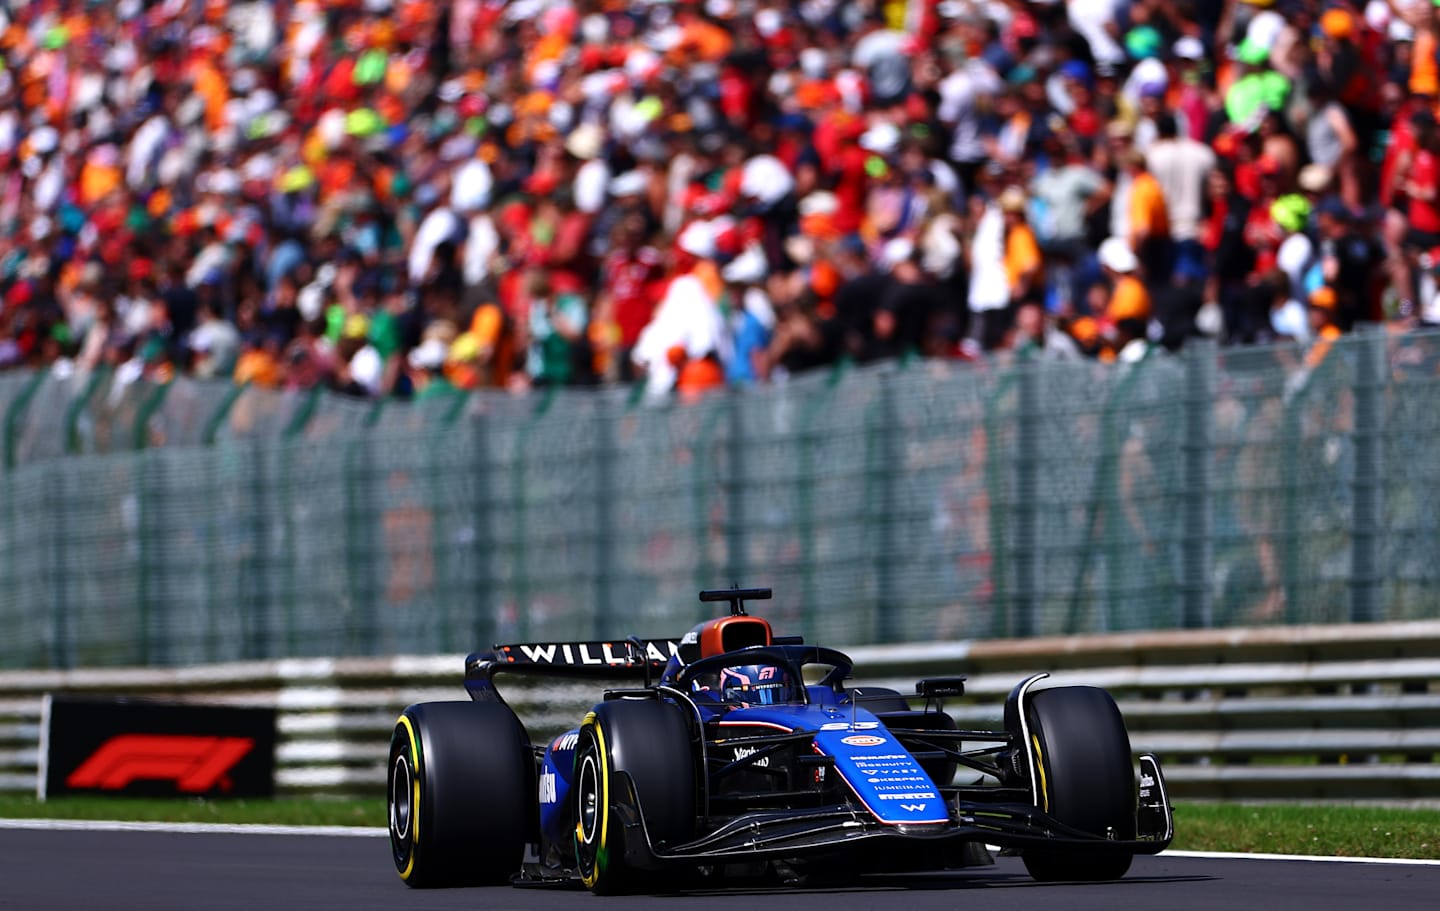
848	726
195	763
565	741
587	653
913	795
913	807
863	740
742	752
895	778
547	787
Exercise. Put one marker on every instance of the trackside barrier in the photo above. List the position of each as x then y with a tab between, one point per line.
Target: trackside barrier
1347	712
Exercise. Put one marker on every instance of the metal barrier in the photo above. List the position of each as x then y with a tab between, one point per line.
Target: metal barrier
1347	712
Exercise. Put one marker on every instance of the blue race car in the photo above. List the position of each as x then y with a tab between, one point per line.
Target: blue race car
745	754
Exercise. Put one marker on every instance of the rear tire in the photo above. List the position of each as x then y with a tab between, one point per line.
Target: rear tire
650	741
1081	755
461	794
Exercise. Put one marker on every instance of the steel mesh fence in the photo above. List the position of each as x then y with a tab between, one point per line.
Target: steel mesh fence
200	522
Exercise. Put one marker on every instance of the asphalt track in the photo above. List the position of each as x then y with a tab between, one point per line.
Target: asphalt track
84	870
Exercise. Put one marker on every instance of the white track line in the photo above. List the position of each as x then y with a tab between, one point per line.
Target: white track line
189	828
218	828
1314	858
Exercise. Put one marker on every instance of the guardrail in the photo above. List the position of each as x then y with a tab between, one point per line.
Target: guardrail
1348	712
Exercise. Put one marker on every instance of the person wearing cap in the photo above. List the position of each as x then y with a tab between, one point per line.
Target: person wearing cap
1192	102
1128	309
1023	261
1349	259
688	315
1257	89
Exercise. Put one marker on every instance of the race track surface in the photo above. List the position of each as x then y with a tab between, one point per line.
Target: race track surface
159	871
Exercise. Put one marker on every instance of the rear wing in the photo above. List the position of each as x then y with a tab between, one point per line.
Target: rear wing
629	659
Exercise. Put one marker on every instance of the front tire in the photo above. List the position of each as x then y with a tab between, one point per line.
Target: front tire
649	741
1081	756
460	794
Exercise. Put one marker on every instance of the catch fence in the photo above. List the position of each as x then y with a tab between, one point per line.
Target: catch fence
198	522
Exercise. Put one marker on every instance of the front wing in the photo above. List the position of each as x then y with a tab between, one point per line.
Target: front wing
841	829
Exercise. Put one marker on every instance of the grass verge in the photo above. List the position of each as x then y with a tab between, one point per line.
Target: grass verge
286	811
1329	831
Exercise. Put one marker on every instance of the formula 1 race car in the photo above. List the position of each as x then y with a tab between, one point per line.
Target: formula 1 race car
745	754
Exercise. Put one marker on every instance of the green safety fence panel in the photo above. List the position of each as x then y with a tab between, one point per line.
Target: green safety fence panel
920	500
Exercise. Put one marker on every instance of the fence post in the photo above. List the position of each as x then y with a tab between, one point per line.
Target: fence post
222	411
153	639
146	411
442	516
482	629
77	408
361	555
1001	613
809	598
882	516
700	459
62	654
16	413
1027	495
518	491
735	487
1368	498
607	445
1197	547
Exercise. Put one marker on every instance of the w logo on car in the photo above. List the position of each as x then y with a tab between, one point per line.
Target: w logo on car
913	807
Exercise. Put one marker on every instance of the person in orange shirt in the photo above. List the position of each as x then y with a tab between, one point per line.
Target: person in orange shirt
1149	220
1323	329
1022	253
1127	313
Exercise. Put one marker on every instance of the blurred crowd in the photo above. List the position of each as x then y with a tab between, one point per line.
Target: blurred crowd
403	197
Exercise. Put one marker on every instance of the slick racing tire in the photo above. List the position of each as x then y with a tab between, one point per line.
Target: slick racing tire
647	744
1081	756
460	794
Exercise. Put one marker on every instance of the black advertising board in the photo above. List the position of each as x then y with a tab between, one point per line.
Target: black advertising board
144	748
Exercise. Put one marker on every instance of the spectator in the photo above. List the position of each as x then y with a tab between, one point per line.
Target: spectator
1128	308
1181	167
173	167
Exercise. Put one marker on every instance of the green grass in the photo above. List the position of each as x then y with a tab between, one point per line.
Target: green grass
1329	831
1332	831
293	812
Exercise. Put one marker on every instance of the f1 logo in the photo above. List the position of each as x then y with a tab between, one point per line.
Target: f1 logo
195	763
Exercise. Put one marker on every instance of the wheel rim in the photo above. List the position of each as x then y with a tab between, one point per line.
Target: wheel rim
401	811
588	797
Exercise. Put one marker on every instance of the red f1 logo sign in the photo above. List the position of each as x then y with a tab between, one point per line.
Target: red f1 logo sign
196	764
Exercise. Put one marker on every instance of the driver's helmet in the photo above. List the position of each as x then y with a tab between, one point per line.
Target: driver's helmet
756	684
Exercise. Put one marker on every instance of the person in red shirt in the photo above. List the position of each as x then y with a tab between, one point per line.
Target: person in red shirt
627	296
1262	234
1419	184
